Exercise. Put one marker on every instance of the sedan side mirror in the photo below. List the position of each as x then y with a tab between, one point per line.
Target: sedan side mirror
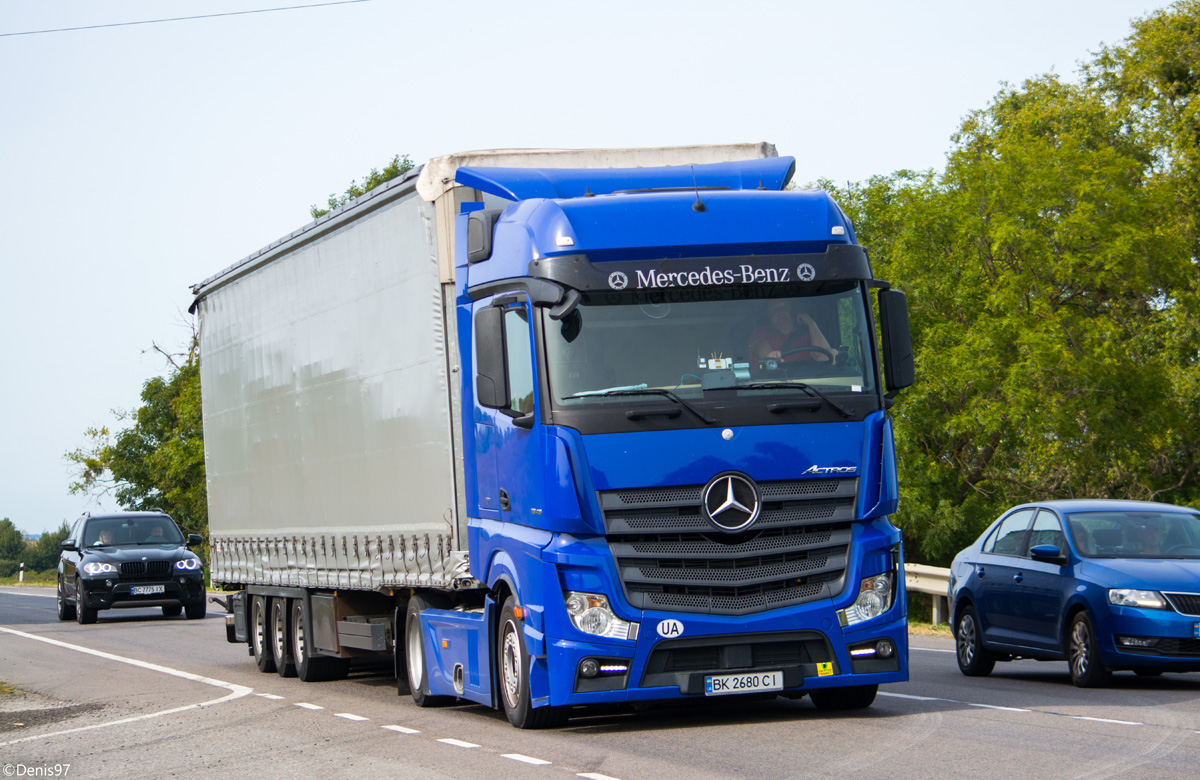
1047	553
69	545
193	540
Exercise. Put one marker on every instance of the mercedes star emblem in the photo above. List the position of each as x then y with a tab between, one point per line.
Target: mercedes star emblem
731	501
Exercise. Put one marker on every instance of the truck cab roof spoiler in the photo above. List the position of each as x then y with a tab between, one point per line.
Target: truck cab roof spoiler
772	173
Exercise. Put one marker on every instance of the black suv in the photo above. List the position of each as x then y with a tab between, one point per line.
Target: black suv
129	559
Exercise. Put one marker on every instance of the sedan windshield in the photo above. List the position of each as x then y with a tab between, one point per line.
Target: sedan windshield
106	532
810	339
1136	534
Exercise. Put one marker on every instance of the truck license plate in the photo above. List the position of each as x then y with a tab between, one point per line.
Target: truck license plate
146	590
723	684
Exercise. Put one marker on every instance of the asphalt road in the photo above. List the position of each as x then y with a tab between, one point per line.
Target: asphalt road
140	694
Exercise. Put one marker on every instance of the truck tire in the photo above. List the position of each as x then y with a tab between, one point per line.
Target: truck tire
65	611
309	667
280	631
512	678
264	658
414	650
83	615
857	697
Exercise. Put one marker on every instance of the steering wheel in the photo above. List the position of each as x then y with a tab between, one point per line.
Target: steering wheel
1181	549
809	348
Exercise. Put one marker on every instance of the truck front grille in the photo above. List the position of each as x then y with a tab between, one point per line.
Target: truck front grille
670	557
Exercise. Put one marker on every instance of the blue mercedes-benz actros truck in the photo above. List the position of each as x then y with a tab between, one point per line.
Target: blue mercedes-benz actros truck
563	428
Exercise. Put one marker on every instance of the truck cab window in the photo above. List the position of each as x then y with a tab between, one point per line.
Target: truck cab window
520	360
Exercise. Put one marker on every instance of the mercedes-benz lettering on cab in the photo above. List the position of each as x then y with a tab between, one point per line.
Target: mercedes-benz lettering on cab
1104	585
129	559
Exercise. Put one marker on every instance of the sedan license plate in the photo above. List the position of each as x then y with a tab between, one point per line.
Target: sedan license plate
146	590
724	684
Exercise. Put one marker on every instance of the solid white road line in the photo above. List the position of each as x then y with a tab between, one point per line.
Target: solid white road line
459	743
952	701
931	649
1109	720
524	759
401	730
348	716
235	691
35	595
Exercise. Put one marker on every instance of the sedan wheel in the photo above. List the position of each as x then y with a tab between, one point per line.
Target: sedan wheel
1084	655
973	660
65	611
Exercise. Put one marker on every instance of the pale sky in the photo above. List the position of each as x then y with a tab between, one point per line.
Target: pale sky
138	160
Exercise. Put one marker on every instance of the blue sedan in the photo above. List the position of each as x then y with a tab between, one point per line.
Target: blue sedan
1104	585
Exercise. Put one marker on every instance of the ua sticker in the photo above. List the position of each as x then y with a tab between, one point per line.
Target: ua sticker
670	628
824	669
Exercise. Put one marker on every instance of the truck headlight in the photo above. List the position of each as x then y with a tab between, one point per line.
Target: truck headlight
1128	597
591	614
99	568
874	599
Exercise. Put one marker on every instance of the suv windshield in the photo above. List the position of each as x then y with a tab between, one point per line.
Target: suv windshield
112	531
1136	534
811	339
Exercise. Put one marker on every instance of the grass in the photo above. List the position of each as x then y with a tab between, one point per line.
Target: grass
32	578
6	689
917	628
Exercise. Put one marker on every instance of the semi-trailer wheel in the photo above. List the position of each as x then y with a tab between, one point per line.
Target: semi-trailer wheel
310	667
856	697
513	677
279	638
264	658
414	650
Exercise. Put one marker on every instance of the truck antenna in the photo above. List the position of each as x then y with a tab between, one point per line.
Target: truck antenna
698	206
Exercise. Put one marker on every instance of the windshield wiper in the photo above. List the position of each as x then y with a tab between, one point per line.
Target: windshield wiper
642	391
789	386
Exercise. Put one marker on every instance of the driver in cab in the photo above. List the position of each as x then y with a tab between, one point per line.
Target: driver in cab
786	335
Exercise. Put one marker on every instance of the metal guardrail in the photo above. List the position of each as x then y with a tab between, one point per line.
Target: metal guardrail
934	581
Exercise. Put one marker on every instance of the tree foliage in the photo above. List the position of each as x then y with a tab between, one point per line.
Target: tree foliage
12	541
158	461
399	165
1053	292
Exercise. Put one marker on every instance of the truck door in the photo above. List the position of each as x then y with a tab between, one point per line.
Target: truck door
507	451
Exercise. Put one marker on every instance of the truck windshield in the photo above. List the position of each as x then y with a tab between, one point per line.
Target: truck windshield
701	344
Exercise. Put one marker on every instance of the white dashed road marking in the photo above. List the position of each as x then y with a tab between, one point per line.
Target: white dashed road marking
308	706
594	776
459	743
348	716
524	759
401	730
270	696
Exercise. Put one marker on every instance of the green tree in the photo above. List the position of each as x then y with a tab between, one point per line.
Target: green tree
1045	274
12	541
399	165
43	556
157	462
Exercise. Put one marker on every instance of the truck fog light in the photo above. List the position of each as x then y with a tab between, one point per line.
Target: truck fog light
591	614
874	599
886	648
589	668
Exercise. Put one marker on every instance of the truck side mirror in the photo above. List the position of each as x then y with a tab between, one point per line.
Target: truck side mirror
491	374
898	366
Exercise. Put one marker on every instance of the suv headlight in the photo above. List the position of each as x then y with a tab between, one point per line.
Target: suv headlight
1128	597
874	599
591	614
99	568
188	564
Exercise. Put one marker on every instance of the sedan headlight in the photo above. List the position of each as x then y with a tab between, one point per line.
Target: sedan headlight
188	564
1128	597
874	599
99	568
591	614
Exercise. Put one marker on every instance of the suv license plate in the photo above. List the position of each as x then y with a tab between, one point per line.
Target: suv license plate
724	684
146	590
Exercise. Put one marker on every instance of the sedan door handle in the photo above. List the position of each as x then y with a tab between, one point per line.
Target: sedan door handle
1018	577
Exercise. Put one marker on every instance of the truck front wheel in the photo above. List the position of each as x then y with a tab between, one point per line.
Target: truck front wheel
856	697
414	651
513	677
